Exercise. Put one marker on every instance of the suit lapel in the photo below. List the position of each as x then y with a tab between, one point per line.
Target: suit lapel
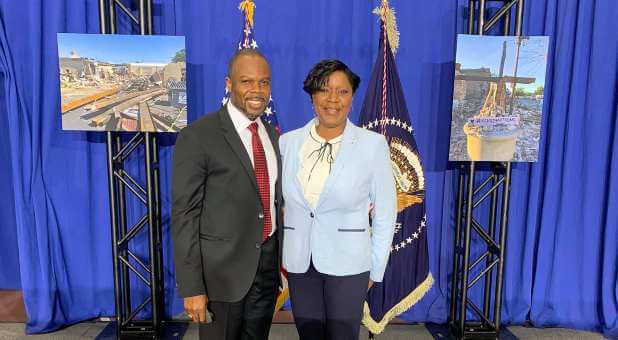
342	158
298	144
233	140
272	135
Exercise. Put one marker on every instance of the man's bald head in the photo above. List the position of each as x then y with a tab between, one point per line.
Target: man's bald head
251	52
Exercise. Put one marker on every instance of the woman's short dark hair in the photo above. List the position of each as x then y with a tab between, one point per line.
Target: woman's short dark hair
319	74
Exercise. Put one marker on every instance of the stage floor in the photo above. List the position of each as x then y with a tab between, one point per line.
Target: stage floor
94	330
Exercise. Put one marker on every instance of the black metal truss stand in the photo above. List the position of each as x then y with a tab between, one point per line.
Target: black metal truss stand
129	265
485	269
148	268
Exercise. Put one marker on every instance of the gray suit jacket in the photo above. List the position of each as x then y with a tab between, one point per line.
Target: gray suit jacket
216	210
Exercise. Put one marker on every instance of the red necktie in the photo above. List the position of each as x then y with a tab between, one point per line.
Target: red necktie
261	175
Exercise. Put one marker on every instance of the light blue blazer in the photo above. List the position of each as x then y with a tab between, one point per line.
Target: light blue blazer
336	235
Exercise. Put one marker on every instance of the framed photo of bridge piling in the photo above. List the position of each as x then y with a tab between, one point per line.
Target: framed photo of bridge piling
498	98
122	82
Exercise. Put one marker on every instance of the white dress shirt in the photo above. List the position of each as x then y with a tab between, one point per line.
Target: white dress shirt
241	123
317	158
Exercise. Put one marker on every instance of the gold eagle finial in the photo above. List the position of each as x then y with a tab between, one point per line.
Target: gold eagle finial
248	7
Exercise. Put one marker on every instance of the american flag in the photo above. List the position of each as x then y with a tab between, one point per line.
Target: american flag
247	40
407	277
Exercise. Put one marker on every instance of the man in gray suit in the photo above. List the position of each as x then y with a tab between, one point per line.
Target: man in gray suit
226	195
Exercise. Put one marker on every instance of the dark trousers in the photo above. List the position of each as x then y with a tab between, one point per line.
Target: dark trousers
251	317
326	306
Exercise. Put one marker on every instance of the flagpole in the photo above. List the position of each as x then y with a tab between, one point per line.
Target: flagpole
247	41
407	278
384	80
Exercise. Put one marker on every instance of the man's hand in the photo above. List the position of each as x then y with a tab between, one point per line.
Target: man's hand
195	306
370	284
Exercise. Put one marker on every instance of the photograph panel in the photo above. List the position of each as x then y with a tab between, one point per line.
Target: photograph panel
122	82
498	98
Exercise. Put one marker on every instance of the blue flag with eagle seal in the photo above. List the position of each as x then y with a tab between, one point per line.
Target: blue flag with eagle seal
407	277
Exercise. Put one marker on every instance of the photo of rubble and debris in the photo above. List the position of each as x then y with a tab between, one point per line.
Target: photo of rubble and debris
122	82
498	98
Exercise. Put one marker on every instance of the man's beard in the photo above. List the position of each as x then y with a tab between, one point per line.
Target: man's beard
243	107
253	116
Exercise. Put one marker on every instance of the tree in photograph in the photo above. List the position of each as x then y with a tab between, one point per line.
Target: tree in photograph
179	57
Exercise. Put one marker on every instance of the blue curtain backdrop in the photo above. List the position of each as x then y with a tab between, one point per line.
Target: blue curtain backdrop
9	257
561	267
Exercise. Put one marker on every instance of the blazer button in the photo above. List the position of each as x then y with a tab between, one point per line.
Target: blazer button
257	245
260	216
311	214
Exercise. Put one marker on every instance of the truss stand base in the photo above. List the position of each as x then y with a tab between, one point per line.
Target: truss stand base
171	330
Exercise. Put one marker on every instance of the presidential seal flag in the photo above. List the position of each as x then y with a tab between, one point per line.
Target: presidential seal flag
247	40
247	7
407	277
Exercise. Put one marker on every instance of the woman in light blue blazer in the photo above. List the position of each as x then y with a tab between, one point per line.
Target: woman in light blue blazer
340	209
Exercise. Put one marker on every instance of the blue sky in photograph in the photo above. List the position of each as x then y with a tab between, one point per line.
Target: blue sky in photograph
475	51
119	49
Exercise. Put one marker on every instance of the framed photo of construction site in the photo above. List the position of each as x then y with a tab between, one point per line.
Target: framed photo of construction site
122	82
498	98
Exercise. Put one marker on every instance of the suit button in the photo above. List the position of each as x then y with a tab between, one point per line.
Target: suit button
257	245
311	214
260	216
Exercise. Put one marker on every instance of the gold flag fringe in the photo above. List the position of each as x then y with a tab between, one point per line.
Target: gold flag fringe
387	15
376	327
248	7
281	299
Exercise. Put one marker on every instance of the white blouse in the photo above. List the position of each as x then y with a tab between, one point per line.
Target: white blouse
317	158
